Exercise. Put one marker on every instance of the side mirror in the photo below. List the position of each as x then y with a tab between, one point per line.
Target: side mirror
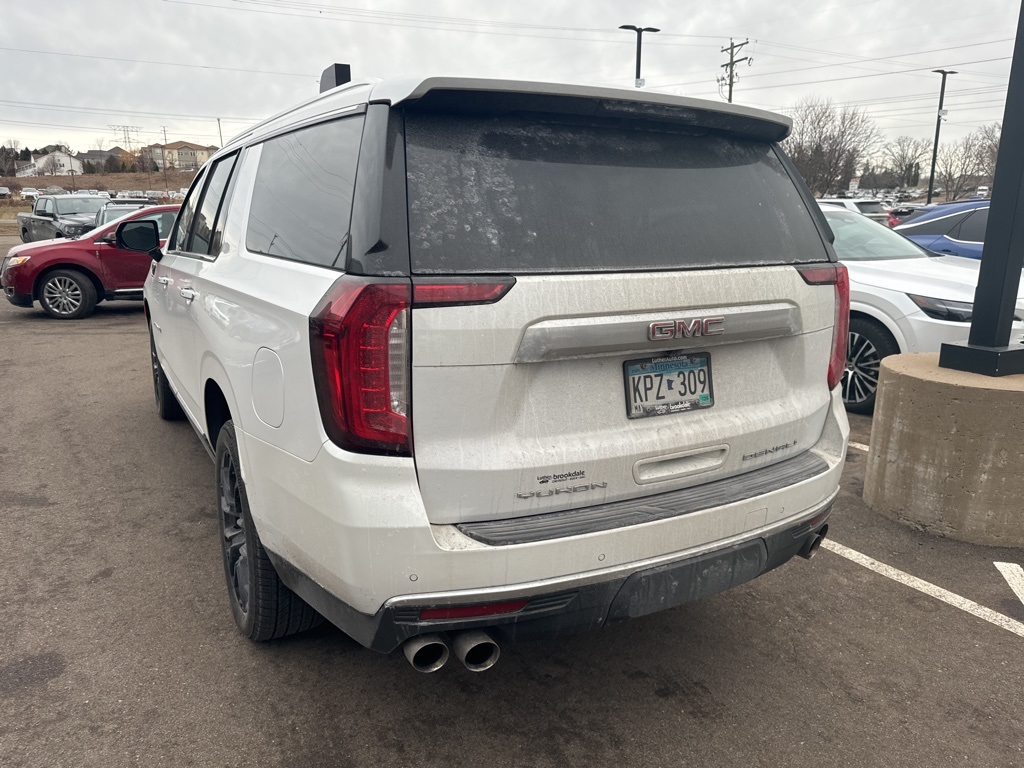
141	236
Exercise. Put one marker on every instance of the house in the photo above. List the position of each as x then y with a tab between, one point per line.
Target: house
180	155
58	163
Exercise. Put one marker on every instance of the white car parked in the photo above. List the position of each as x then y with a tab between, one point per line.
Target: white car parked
487	360
902	299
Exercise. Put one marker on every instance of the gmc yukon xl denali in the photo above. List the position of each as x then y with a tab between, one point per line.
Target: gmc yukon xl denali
487	360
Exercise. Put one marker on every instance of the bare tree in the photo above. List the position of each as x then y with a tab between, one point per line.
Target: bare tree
828	144
99	143
904	155
957	166
48	166
988	149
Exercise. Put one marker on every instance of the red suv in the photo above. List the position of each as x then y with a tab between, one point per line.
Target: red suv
68	277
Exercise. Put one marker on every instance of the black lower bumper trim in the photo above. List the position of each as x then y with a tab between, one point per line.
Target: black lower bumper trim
568	611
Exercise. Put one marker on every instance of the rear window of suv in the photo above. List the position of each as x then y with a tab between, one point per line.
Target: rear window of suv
514	194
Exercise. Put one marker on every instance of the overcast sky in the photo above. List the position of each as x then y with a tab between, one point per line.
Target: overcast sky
73	68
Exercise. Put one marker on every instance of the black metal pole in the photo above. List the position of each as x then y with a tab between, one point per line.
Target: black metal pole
995	298
938	126
639	38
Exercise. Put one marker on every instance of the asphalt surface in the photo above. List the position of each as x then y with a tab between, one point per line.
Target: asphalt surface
118	647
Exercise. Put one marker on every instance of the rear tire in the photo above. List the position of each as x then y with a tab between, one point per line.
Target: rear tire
67	294
868	342
167	405
262	606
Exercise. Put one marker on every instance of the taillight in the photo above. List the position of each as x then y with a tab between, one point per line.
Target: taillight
359	340
893	221
835	275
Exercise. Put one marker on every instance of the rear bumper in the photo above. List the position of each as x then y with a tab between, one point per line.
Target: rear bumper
590	603
349	534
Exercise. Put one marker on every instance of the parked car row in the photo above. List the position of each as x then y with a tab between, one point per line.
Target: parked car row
68	277
903	298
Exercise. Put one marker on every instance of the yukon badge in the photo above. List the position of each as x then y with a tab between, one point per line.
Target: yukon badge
686	329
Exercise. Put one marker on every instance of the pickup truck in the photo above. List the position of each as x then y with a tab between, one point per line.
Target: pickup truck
59	216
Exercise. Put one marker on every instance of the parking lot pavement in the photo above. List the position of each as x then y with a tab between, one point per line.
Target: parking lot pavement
119	647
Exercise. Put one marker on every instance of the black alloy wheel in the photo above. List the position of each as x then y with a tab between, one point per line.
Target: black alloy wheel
167	405
264	608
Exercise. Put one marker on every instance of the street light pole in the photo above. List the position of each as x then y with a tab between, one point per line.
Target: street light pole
938	125
639	38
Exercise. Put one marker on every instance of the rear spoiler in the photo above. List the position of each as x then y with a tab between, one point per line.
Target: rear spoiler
480	96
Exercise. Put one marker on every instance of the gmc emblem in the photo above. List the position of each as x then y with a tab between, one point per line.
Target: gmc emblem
686	329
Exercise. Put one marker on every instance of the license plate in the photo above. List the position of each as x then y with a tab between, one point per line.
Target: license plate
672	383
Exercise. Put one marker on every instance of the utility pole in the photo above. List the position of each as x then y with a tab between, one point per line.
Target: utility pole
938	125
730	77
639	39
220	132
163	157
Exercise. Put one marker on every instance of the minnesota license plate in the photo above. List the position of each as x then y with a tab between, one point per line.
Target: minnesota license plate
672	383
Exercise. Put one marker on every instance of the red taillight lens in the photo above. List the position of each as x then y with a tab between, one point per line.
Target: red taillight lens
433	292
359	340
835	275
893	221
469	611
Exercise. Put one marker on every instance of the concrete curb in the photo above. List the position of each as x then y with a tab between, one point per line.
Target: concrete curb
946	451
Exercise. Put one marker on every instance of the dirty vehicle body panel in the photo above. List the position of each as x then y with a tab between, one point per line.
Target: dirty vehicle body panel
603	392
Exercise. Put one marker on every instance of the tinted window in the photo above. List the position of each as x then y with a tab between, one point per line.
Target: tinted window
302	199
203	231
973	228
937	227
188	212
511	194
870	207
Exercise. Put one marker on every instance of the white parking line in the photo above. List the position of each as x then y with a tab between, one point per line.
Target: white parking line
859	446
950	598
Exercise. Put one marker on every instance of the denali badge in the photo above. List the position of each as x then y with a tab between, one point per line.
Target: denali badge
686	329
555	491
766	451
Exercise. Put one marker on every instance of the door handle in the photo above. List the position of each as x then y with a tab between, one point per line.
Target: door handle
188	294
164	280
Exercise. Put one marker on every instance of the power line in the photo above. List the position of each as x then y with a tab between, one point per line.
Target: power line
111	110
159	63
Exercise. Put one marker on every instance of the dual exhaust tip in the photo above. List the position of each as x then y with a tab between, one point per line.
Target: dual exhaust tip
475	648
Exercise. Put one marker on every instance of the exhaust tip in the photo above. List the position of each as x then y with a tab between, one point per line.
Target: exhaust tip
476	649
426	653
813	542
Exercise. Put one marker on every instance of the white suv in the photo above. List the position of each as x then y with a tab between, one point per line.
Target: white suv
485	360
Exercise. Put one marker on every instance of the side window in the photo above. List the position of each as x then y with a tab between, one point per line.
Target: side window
40	206
48	205
164	222
973	230
188	211
937	227
302	198
206	219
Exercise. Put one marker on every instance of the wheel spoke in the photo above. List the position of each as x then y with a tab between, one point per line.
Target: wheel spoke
233	537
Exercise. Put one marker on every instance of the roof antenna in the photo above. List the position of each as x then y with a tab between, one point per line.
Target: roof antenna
335	75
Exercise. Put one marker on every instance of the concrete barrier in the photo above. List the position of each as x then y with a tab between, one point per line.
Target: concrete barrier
947	451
